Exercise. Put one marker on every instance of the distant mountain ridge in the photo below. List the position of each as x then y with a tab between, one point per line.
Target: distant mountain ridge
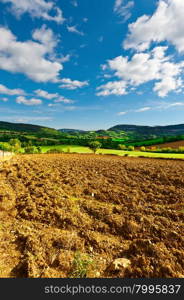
9	126
150	130
127	130
67	130
21	128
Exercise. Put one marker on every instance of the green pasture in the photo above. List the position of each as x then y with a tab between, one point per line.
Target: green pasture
80	149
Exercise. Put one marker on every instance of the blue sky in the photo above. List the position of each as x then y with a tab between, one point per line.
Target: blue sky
92	64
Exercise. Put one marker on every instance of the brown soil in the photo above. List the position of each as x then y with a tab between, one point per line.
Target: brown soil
101	207
174	145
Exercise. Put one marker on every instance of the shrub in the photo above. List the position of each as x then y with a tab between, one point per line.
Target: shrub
131	148
143	149
29	150
54	151
122	147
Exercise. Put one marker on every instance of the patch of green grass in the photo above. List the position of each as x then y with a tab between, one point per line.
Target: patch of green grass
73	148
80	149
144	154
80	265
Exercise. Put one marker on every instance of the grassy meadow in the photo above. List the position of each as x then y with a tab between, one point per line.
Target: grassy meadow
80	149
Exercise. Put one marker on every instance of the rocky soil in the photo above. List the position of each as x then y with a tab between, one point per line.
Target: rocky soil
72	215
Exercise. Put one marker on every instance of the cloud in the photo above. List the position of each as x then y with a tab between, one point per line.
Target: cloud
74	3
63	100
175	104
158	107
143	109
46	10
164	105
69	84
62	108
45	94
65	58
112	88
11	92
31	119
142	68
123	10
46	37
85	20
4	99
30	58
74	29
55	96
166	24
101	38
29	102
122	113
83	46
139	110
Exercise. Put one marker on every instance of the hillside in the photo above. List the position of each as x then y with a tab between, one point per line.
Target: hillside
124	132
27	128
148	131
66	130
7	126
132	132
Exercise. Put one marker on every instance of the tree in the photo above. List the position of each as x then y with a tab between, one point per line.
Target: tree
29	150
94	146
39	149
5	147
29	143
16	144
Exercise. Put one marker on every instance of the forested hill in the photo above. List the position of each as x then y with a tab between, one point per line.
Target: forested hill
127	132
29	128
168	130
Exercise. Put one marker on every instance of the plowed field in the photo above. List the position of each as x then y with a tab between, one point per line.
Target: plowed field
174	145
72	215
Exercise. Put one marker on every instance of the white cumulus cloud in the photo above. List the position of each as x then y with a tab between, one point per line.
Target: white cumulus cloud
30	58
29	102
112	88
69	84
63	100
46	10
11	92
53	96
166	24
45	94
142	68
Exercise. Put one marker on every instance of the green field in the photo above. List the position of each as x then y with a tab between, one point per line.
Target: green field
79	149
